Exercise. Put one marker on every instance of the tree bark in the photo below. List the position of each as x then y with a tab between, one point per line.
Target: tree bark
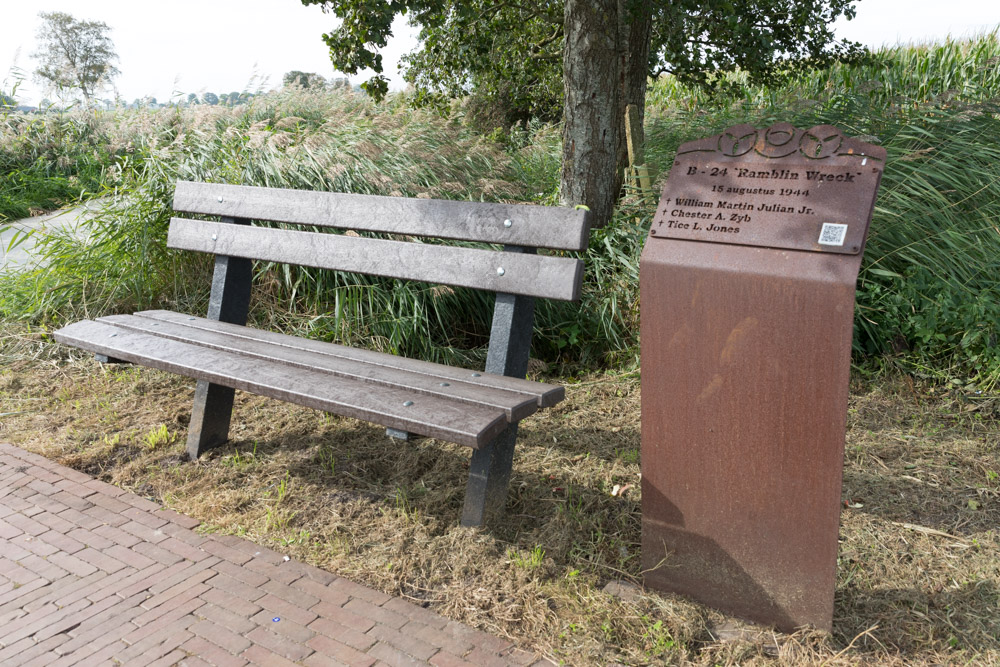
636	21
593	113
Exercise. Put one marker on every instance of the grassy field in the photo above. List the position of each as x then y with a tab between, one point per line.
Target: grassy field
918	573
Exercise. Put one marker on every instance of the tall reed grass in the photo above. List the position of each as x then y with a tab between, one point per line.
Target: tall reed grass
928	293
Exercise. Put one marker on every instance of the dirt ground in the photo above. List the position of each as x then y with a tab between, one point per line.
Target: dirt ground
919	567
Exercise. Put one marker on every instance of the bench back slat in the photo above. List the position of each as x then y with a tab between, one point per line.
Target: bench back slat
513	273
559	228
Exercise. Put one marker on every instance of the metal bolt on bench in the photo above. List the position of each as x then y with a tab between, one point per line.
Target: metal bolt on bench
410	398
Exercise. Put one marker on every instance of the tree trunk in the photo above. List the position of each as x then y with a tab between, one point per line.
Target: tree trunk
636	21
593	113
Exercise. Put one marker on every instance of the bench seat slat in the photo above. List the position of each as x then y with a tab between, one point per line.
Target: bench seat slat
515	405
560	228
545	395
513	273
471	425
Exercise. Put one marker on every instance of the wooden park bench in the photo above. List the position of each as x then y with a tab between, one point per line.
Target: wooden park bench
409	397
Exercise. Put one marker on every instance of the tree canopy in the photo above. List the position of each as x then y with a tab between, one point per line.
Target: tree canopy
75	54
532	58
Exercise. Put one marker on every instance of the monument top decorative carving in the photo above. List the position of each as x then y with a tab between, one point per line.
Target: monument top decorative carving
783	140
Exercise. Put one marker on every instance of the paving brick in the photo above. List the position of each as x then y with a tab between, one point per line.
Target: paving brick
26	524
41	653
61	541
106	516
184	535
435	636
359	591
225	639
480	656
144	532
178	572
447	659
71	500
79	518
314	573
188	600
117	536
101	656
226	600
283	626
227	619
73	620
259	655
11	650
276	572
101	629
281	645
325	593
128	583
42	567
241	573
131	557
217	548
173	621
104	488
393	656
344	617
408	643
145	517
74	478
157	553
89	538
488	642
140	503
377	614
35	545
291	595
109	503
350	636
416	613
49	617
322	660
183	549
210	653
178	518
293	612
236	587
192	660
28	587
70	563
329	646
100	559
185	588
168	660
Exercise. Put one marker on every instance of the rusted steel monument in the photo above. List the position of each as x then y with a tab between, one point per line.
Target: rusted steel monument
747	282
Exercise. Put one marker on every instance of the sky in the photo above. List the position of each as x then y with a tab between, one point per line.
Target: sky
169	49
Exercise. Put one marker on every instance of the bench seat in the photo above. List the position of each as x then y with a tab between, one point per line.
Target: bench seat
456	405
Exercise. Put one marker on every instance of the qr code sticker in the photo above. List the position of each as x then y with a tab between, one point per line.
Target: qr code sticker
832	234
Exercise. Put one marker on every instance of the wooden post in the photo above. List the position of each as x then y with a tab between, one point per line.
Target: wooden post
638	172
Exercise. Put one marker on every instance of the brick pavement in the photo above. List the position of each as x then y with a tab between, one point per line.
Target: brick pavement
93	575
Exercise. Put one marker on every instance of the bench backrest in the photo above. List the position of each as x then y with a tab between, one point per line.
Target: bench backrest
516	226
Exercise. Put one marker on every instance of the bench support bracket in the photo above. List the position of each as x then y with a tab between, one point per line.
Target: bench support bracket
510	347
229	302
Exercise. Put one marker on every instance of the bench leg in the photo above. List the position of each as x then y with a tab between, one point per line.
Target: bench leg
210	417
104	359
489	477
